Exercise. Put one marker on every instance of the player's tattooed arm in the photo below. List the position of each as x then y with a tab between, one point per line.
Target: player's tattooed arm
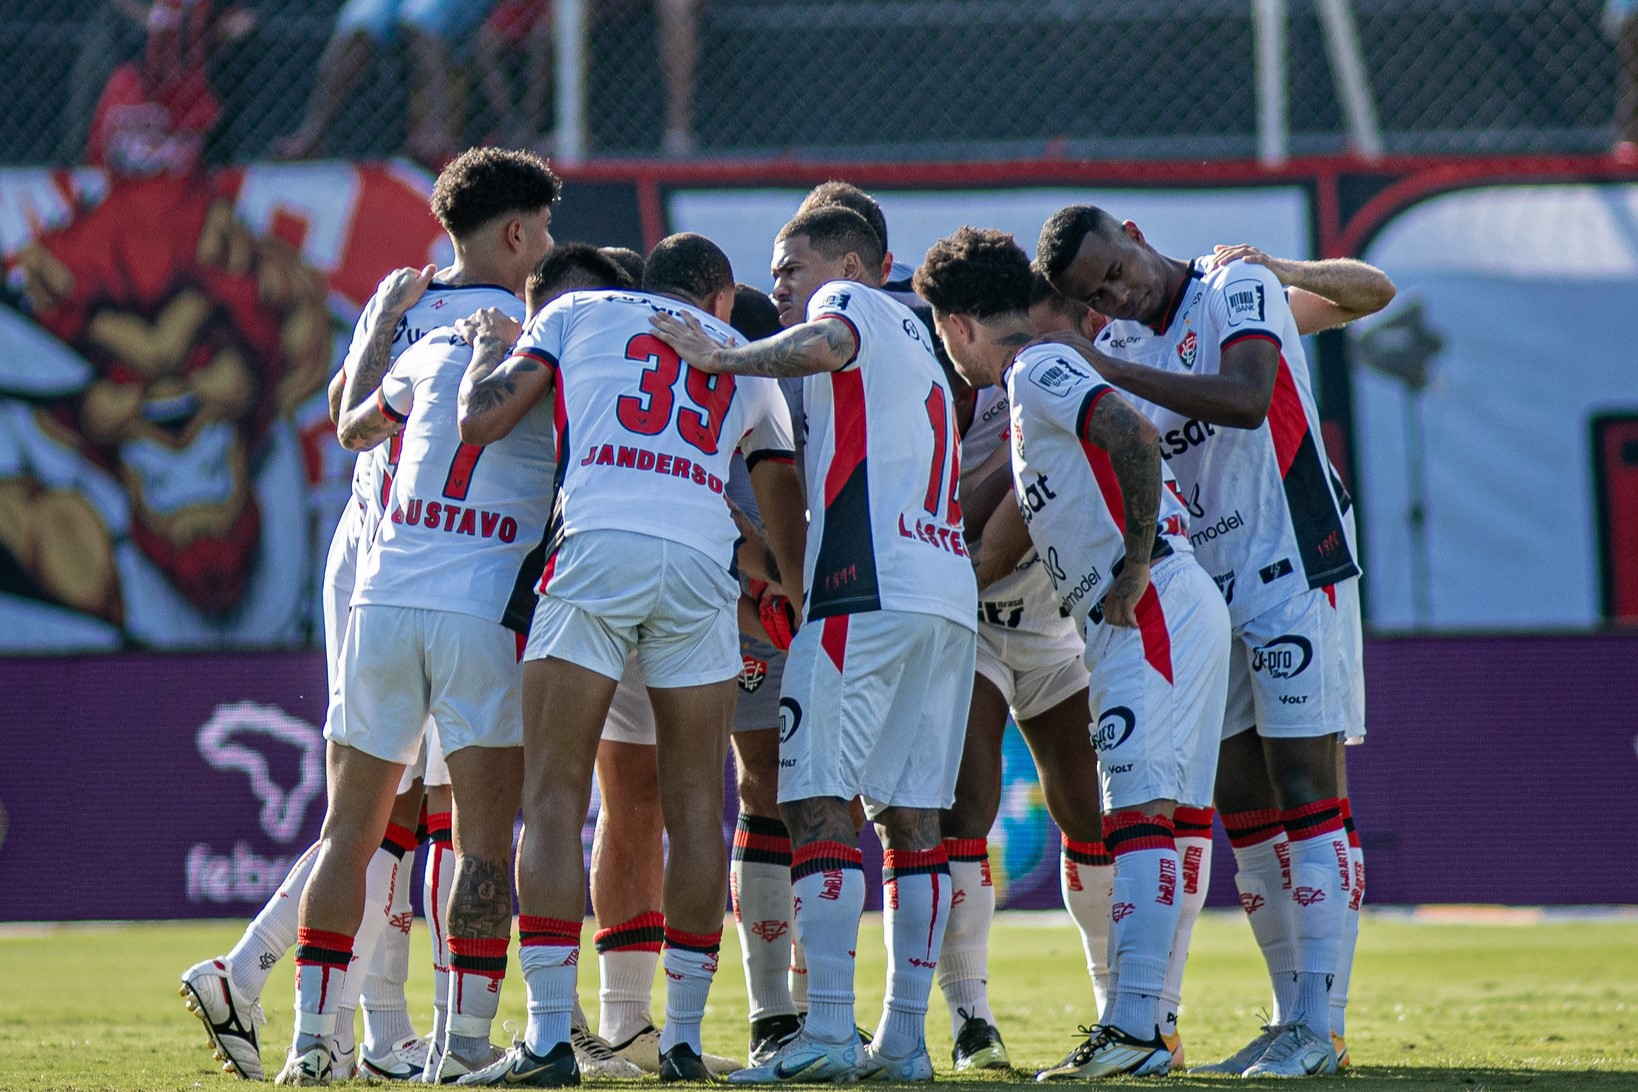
396	294
499	386
1325	293
480	906
338	384
824	345
365	426
1133	446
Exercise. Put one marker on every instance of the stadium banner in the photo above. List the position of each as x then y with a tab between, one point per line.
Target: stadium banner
148	786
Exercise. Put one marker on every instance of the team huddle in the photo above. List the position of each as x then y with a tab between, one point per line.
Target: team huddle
612	512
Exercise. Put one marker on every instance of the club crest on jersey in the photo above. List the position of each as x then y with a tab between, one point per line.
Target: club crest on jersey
1056	376
1187	348
752	673
1245	301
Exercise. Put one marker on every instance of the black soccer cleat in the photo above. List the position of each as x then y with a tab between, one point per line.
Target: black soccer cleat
682	1063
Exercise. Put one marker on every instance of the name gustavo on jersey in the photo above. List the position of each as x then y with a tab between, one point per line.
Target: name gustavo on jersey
455	519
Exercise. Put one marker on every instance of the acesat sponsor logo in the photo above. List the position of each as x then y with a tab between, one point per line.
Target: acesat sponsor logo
1036	495
1284	657
1175	441
1225	524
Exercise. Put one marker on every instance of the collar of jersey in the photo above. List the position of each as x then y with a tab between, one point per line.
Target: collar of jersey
1176	304
445	286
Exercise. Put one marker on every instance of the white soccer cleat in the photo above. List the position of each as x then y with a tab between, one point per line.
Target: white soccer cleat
596	1057
917	1066
1111	1052
445	1068
1242	1059
404	1061
230	1021
808	1060
643	1051
1296	1052
308	1070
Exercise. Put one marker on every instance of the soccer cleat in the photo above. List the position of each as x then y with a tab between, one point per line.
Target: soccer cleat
1111	1052
805	1059
643	1051
595	1057
405	1061
978	1045
769	1034
1238	1062
522	1067
308	1070
680	1063
1343	1061
1296	1052
207	990
916	1066
445	1068
1174	1046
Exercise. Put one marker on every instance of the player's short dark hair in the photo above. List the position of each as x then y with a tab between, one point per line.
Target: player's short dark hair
1041	291
482	184
977	271
755	314
574	267
1063	234
627	259
834	231
845	195
688	265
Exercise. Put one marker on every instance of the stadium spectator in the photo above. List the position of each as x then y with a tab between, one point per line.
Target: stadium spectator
157	111
426	28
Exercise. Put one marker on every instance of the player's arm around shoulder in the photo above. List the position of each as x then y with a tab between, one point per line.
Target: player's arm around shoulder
503	380
384	409
370	354
1133	446
826	344
1323	294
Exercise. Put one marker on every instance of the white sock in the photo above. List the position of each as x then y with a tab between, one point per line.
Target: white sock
271	932
1262	858
760	880
1087	878
690	964
1350	926
1321	882
827	880
477	970
550	956
799	969
916	911
321	972
380	891
626	955
1143	912
386	1012
964	965
436	884
1192	834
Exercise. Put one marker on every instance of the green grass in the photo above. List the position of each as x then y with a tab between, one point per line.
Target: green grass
1491	1006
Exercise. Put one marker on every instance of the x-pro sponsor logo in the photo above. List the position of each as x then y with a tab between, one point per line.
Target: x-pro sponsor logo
1285	657
1115	726
790	719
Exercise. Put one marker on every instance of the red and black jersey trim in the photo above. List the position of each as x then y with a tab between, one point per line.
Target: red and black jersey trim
1305	475
1086	853
540	355
1250	335
1249	828
1131	831
897	863
1176	303
549	932
844	575
1083	416
760	840
1313	820
778	455
479	955
319	947
704	943
643	933
825	857
386	409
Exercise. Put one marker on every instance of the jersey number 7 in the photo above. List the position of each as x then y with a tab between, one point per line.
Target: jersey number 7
650	414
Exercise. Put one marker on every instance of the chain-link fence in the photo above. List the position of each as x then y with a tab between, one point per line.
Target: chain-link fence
838	78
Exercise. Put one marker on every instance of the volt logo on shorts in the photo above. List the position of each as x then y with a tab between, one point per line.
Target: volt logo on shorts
790	718
1114	728
1284	657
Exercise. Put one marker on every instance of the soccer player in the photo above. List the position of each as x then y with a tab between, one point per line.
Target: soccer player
496	208
639	435
882	665
1215	359
1113	535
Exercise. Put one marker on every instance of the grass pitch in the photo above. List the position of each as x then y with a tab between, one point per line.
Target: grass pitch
1539	1005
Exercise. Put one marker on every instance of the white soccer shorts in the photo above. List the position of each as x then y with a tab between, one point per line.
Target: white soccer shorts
1288	672
401	664
631	716
875	705
1157	691
1350	673
612	591
1033	671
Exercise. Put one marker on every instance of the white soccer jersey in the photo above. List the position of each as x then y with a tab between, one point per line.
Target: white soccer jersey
440	305
883	469
1023	600
644	441
461	518
1066	485
1266	524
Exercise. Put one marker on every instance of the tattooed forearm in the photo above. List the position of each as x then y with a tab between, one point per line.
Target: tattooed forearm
1134	452
363	427
480	904
494	391
823	346
364	373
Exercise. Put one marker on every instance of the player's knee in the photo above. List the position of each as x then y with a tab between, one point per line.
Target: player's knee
973	812
909	828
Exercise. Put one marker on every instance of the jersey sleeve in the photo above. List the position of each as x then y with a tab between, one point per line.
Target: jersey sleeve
1250	303
396	395
544	336
839	300
361	337
1053	384
767	424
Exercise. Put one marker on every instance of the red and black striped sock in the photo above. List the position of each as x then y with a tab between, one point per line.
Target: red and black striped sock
626	955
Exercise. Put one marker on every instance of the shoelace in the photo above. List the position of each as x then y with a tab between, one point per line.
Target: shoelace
1095	1035
1285	1044
592	1046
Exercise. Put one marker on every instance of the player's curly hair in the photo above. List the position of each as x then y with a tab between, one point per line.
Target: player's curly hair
755	315
1063	234
834	231
481	184
977	271
627	259
845	195
688	265
574	267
